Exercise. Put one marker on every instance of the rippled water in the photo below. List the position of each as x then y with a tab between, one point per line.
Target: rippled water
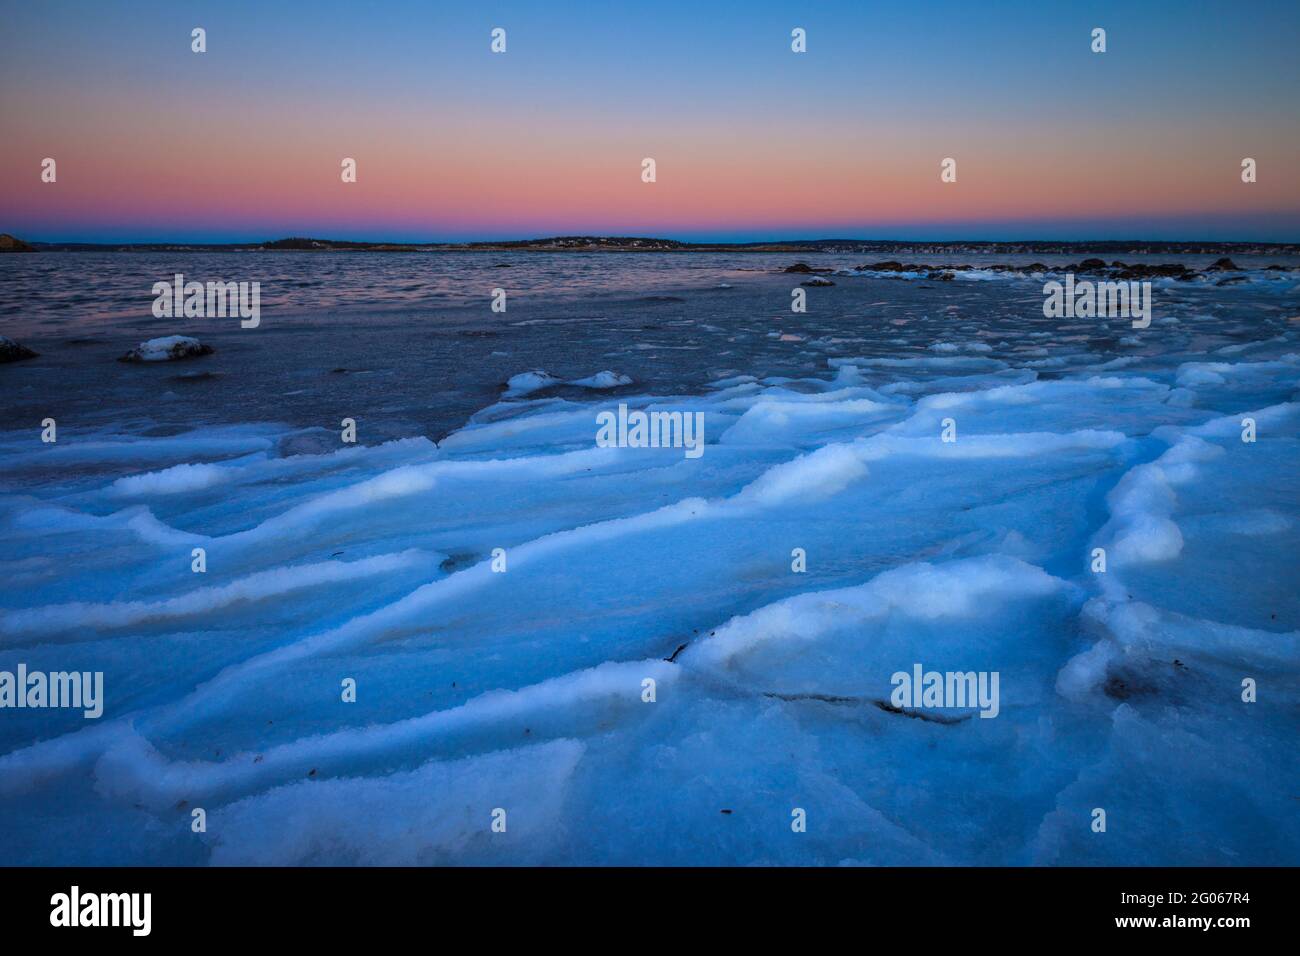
64	292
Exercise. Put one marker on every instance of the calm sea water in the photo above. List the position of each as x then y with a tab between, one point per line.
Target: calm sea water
70	291
407	343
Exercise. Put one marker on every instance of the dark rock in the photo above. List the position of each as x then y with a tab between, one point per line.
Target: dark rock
819	281
9	243
11	351
941	276
1091	265
1171	270
1223	265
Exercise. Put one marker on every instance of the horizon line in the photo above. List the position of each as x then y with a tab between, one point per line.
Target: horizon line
552	237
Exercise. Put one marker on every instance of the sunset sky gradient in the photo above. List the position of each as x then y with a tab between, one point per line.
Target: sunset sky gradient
452	142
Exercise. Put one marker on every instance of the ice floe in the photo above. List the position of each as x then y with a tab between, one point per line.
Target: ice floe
613	645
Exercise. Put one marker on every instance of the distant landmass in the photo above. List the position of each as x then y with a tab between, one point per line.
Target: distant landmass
643	244
9	244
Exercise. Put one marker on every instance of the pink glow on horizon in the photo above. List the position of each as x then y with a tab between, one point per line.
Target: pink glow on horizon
270	174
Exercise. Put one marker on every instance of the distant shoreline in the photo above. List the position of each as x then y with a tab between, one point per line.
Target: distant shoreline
617	244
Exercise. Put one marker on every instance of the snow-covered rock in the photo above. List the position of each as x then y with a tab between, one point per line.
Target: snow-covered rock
605	379
167	349
525	383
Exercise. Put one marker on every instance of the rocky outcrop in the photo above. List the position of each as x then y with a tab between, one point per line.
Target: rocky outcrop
167	349
1088	267
11	351
1172	270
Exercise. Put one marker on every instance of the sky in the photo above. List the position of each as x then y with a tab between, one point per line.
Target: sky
453	142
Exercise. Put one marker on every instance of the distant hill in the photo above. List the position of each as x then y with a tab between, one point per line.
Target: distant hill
587	243
9	243
644	244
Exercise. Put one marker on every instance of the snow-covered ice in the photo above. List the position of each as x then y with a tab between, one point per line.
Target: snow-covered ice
524	689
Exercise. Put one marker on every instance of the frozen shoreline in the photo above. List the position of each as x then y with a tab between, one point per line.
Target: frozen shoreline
524	689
